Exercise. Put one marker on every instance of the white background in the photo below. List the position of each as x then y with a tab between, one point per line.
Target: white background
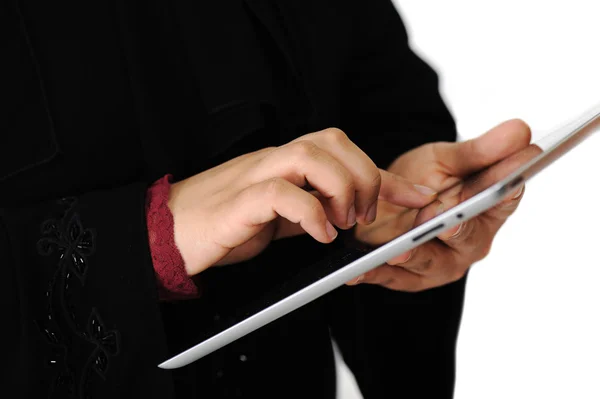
531	324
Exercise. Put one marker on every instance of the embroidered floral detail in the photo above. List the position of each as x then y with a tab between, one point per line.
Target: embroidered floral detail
65	237
107	342
73	242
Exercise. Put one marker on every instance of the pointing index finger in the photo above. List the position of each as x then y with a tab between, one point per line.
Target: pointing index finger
399	191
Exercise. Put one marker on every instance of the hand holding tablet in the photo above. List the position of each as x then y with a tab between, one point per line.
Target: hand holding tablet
469	196
446	167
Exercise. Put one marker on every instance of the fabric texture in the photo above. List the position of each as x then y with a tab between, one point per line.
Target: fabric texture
106	98
171	277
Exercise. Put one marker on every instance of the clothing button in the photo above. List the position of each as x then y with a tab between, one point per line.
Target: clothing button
219	373
216	317
243	358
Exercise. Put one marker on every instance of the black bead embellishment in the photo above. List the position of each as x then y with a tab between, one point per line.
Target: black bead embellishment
66	238
107	341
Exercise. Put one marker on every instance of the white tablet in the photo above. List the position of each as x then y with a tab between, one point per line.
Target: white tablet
484	190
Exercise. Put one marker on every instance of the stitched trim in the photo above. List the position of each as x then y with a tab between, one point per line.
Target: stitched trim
66	238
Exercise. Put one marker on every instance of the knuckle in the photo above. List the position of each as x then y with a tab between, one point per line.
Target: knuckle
315	209
274	186
348	184
371	184
304	149
334	135
374	178
263	151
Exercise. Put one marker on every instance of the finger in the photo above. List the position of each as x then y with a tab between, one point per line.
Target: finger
304	162
436	259
514	197
385	230
469	235
370	182
431	259
490	176
263	202
421	262
397	222
471	241
464	158
378	235
365	174
476	234
400	279
285	228
391	277
465	235
497	216
400	191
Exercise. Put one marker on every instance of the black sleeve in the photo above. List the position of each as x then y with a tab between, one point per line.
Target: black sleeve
397	344
391	98
79	302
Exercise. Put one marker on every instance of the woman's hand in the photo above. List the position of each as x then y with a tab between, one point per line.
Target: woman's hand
441	166
232	212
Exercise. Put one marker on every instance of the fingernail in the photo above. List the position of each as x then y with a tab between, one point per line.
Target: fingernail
440	209
518	193
372	213
359	279
352	216
407	256
331	231
458	230
424	190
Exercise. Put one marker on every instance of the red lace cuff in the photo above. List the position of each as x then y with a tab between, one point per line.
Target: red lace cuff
171	276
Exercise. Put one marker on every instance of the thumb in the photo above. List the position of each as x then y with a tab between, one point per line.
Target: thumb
464	158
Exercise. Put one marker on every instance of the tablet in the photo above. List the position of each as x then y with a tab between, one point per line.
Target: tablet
476	193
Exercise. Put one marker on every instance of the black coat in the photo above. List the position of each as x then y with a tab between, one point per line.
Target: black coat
102	98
